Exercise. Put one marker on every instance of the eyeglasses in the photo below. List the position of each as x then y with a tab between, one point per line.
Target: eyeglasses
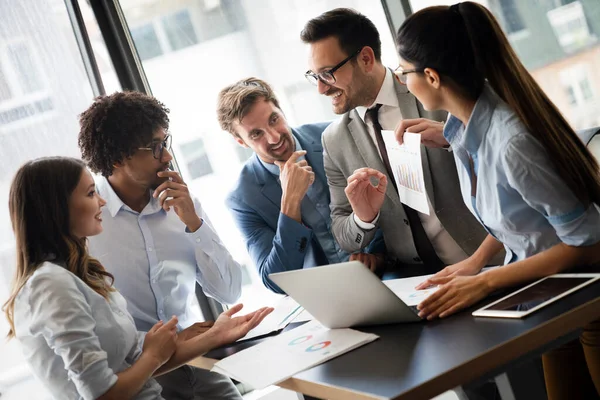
327	77
158	147
401	74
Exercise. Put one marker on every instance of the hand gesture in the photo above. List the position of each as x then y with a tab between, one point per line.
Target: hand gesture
465	267
197	329
295	176
366	197
160	341
432	132
455	293
174	193
371	261
228	328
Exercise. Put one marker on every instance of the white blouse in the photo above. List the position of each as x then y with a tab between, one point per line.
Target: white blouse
75	340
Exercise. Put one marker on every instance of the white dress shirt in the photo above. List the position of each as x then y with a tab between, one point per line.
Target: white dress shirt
75	340
156	261
389	116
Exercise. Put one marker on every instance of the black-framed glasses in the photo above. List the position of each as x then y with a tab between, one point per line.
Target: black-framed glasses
401	73
158	147
327	77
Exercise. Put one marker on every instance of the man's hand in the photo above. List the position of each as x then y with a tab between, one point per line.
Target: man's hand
174	193
365	197
197	329
228	328
432	132
295	177
371	261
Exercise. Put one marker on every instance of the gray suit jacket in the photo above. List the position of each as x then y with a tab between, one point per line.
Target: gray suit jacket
347	147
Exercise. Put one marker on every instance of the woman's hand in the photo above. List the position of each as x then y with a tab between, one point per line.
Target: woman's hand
161	341
228	328
454	294
468	266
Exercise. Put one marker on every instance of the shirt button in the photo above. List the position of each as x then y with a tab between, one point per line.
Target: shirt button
153	280
417	259
150	249
198	240
405	221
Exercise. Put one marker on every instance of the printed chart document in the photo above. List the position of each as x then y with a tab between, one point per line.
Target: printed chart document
283	356
405	289
285	311
405	160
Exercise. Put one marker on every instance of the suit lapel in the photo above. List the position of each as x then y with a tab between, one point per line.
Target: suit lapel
314	156
270	187
409	110
369	152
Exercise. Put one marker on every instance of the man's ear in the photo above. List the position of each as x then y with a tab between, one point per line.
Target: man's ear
432	77
366	59
240	141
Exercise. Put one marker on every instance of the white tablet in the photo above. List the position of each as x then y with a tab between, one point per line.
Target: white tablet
535	296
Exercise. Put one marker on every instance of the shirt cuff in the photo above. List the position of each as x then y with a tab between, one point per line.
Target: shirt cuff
204	234
365	225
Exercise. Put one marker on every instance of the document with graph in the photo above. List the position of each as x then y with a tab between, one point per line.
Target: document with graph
289	353
405	160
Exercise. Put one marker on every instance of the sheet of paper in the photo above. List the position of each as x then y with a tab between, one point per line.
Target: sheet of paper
405	289
405	161
285	311
289	353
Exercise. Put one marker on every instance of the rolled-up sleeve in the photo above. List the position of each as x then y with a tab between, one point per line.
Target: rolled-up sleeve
60	313
531	173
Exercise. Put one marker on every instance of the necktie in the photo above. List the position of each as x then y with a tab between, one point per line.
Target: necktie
423	245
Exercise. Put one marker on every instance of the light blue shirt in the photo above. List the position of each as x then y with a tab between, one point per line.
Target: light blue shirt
156	261
316	214
520	199
74	339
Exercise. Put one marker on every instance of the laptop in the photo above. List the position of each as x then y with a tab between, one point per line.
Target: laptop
345	295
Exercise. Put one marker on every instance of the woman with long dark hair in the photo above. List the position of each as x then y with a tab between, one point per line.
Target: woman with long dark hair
523	171
74	327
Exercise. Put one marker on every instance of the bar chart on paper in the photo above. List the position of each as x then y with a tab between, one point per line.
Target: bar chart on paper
407	167
408	176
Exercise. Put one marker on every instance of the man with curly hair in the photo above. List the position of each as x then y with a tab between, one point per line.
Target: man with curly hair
157	241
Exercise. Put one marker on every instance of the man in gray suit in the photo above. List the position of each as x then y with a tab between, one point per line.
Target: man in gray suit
345	64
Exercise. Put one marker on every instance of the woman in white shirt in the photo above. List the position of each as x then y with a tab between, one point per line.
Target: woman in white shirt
74	327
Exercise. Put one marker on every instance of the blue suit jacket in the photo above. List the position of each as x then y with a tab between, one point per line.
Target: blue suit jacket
275	242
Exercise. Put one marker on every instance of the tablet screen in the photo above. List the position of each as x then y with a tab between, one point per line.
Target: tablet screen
537	294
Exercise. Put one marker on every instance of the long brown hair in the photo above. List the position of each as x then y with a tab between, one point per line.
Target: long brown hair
466	45
39	213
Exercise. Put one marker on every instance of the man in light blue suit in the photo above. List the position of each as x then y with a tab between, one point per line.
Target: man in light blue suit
281	200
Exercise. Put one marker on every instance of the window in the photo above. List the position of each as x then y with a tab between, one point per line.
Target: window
146	42
561	50
179	30
196	159
43	87
570	26
512	18
235	39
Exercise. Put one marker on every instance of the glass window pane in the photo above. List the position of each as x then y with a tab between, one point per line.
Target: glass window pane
236	39
25	67
179	30
558	42
43	87
146	41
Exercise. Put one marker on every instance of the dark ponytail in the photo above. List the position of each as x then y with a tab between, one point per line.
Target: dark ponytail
466	45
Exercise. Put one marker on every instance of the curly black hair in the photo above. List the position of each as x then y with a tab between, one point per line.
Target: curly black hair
114	126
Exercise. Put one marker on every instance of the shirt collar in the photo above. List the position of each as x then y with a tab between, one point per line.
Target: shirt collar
471	136
114	203
274	169
387	95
